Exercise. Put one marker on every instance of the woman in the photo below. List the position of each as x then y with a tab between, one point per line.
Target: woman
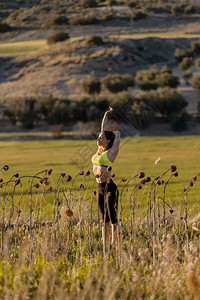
107	192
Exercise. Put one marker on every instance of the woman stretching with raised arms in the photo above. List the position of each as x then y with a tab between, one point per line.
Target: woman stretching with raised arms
107	192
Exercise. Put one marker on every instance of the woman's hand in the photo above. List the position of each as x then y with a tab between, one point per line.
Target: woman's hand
109	111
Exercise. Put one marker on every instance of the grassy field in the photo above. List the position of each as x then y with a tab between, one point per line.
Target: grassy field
66	258
136	154
34	45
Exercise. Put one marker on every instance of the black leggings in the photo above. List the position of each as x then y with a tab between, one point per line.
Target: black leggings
107	193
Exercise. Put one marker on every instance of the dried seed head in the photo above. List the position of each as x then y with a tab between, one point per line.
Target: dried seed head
109	168
46	183
94	193
59	203
69	178
159	182
81	173
48	172
191	184
37	185
81	186
87	173
17	181
143	181
141	175
16	175
97	176
62	175
69	213
50	189
109	180
148	179
124	180
184	190
194	178
112	175
1	180
176	174
172	168
18	211
171	211
156	178
139	187
5	168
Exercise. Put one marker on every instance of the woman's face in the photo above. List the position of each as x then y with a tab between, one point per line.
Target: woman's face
102	141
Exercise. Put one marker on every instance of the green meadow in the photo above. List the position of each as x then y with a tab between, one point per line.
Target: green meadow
136	154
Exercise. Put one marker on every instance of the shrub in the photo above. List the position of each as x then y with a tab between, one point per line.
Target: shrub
187	75
185	63
87	3
52	110
138	15
59	20
195	46
146	79
177	9
83	21
4	27
91	86
179	122
93	41
116	83
57	37
22	112
189	9
166	79
196	81
179	54
197	63
107	17
166	69
166	101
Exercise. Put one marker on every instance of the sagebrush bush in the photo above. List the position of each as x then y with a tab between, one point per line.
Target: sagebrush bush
195	47
177	9
59	20
187	75
186	63
189	9
91	86
82	21
4	27
166	101
197	63
93	40
196	81
57	37
107	17
116	83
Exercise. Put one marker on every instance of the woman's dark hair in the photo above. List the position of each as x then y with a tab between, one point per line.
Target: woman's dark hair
109	136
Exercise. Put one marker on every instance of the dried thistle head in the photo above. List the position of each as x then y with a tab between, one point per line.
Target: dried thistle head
109	168
94	193
194	178
172	168
124	180
16	175
17	181
143	181
1	180
191	184
50	189
171	211
48	172
184	190
159	182
156	178
81	173
69	178
175	174
81	186
62	175
18	212
139	187
87	173
69	213
46	183
148	179
5	168
141	175
97	176
112	175
37	185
